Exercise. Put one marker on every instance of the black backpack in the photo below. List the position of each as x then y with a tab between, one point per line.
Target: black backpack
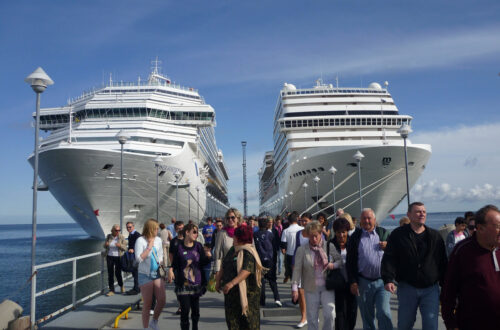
127	262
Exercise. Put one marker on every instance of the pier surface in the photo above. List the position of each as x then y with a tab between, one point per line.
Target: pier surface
101	312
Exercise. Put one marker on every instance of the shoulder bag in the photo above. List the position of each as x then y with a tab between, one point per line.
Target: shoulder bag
334	279
161	271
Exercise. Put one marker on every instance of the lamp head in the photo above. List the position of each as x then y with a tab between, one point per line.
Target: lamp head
358	156
122	137
39	80
316	179
158	160
332	170
405	130
305	185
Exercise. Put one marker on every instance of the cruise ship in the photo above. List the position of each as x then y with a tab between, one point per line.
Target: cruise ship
324	126
169	143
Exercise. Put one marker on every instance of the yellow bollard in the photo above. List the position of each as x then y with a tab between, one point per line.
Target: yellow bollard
125	312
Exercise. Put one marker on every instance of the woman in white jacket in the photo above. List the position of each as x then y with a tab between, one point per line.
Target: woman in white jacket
149	255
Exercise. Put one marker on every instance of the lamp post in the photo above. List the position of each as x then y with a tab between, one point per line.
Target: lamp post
198	202
189	200
177	176
316	181
333	170
122	138
158	160
291	201
305	185
38	81
286	201
404	131
359	156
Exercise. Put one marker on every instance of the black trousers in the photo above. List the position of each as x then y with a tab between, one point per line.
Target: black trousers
188	302
114	267
270	276
135	275
288	266
346	307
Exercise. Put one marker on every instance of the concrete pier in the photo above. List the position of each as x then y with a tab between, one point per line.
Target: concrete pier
101	312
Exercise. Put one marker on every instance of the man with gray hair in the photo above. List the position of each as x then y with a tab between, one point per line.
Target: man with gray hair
365	250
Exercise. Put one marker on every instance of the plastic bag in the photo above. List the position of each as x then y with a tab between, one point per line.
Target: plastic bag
211	283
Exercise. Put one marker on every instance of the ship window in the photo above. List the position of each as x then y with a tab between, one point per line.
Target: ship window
107	167
304	173
314	170
308	171
321	169
352	164
161	173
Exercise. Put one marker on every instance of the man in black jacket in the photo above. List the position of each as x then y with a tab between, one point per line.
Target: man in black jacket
132	237
365	249
415	257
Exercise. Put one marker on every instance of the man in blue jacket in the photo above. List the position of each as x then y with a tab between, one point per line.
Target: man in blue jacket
132	237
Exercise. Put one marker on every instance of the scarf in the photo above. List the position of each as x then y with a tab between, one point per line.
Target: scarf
258	273
320	257
229	231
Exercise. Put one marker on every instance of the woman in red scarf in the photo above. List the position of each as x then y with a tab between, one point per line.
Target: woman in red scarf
311	263
224	238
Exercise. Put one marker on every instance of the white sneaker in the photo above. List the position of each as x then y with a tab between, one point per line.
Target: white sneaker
278	303
153	324
302	324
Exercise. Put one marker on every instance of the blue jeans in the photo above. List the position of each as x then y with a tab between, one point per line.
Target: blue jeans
373	295
427	299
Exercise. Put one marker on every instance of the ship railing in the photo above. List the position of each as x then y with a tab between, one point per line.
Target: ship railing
72	283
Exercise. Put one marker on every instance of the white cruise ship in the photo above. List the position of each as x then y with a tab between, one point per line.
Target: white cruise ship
324	126
80	159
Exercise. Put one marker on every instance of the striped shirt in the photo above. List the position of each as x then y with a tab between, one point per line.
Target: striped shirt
369	255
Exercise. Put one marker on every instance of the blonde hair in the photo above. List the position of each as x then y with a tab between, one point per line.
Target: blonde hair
148	231
348	217
313	227
237	214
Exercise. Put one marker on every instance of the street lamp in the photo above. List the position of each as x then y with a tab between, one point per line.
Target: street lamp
38	81
291	201
316	181
158	160
177	176
286	200
333	170
122	138
305	185
198	202
189	200
404	131
359	156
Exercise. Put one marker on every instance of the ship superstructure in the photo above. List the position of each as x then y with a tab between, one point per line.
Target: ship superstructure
322	127
80	158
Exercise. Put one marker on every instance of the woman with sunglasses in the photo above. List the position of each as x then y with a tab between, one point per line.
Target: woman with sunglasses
190	284
115	246
224	238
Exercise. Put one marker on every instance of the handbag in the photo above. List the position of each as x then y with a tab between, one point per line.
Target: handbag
211	283
334	279
161	271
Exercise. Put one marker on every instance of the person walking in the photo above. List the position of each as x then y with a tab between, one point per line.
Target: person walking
346	306
458	234
186	270
311	263
470	298
149	255
115	245
415	258
278	226
288	243
364	256
132	238
224	239
239	278
265	246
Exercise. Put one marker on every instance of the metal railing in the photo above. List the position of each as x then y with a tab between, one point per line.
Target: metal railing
73	283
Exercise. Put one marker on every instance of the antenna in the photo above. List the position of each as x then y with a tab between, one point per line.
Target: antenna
245	207
337	80
156	68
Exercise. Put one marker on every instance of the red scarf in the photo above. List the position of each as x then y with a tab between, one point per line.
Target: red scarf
230	231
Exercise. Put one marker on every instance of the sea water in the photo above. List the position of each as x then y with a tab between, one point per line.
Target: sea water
62	241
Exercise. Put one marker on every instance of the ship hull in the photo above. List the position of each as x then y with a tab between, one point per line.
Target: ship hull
90	193
383	179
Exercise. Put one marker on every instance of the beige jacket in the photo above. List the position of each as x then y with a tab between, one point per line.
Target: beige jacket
303	271
222	244
121	241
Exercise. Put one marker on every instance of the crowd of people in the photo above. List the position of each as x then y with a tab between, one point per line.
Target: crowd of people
338	263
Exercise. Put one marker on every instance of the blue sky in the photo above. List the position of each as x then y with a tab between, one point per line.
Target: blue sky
441	59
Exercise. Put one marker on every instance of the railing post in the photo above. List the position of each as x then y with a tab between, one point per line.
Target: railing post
102	274
33	300
73	293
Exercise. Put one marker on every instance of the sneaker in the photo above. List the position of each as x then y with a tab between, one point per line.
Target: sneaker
123	289
302	324
278	303
153	324
110	293
286	279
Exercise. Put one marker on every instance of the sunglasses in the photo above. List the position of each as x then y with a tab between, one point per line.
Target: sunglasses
128	227
195	232
231	218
